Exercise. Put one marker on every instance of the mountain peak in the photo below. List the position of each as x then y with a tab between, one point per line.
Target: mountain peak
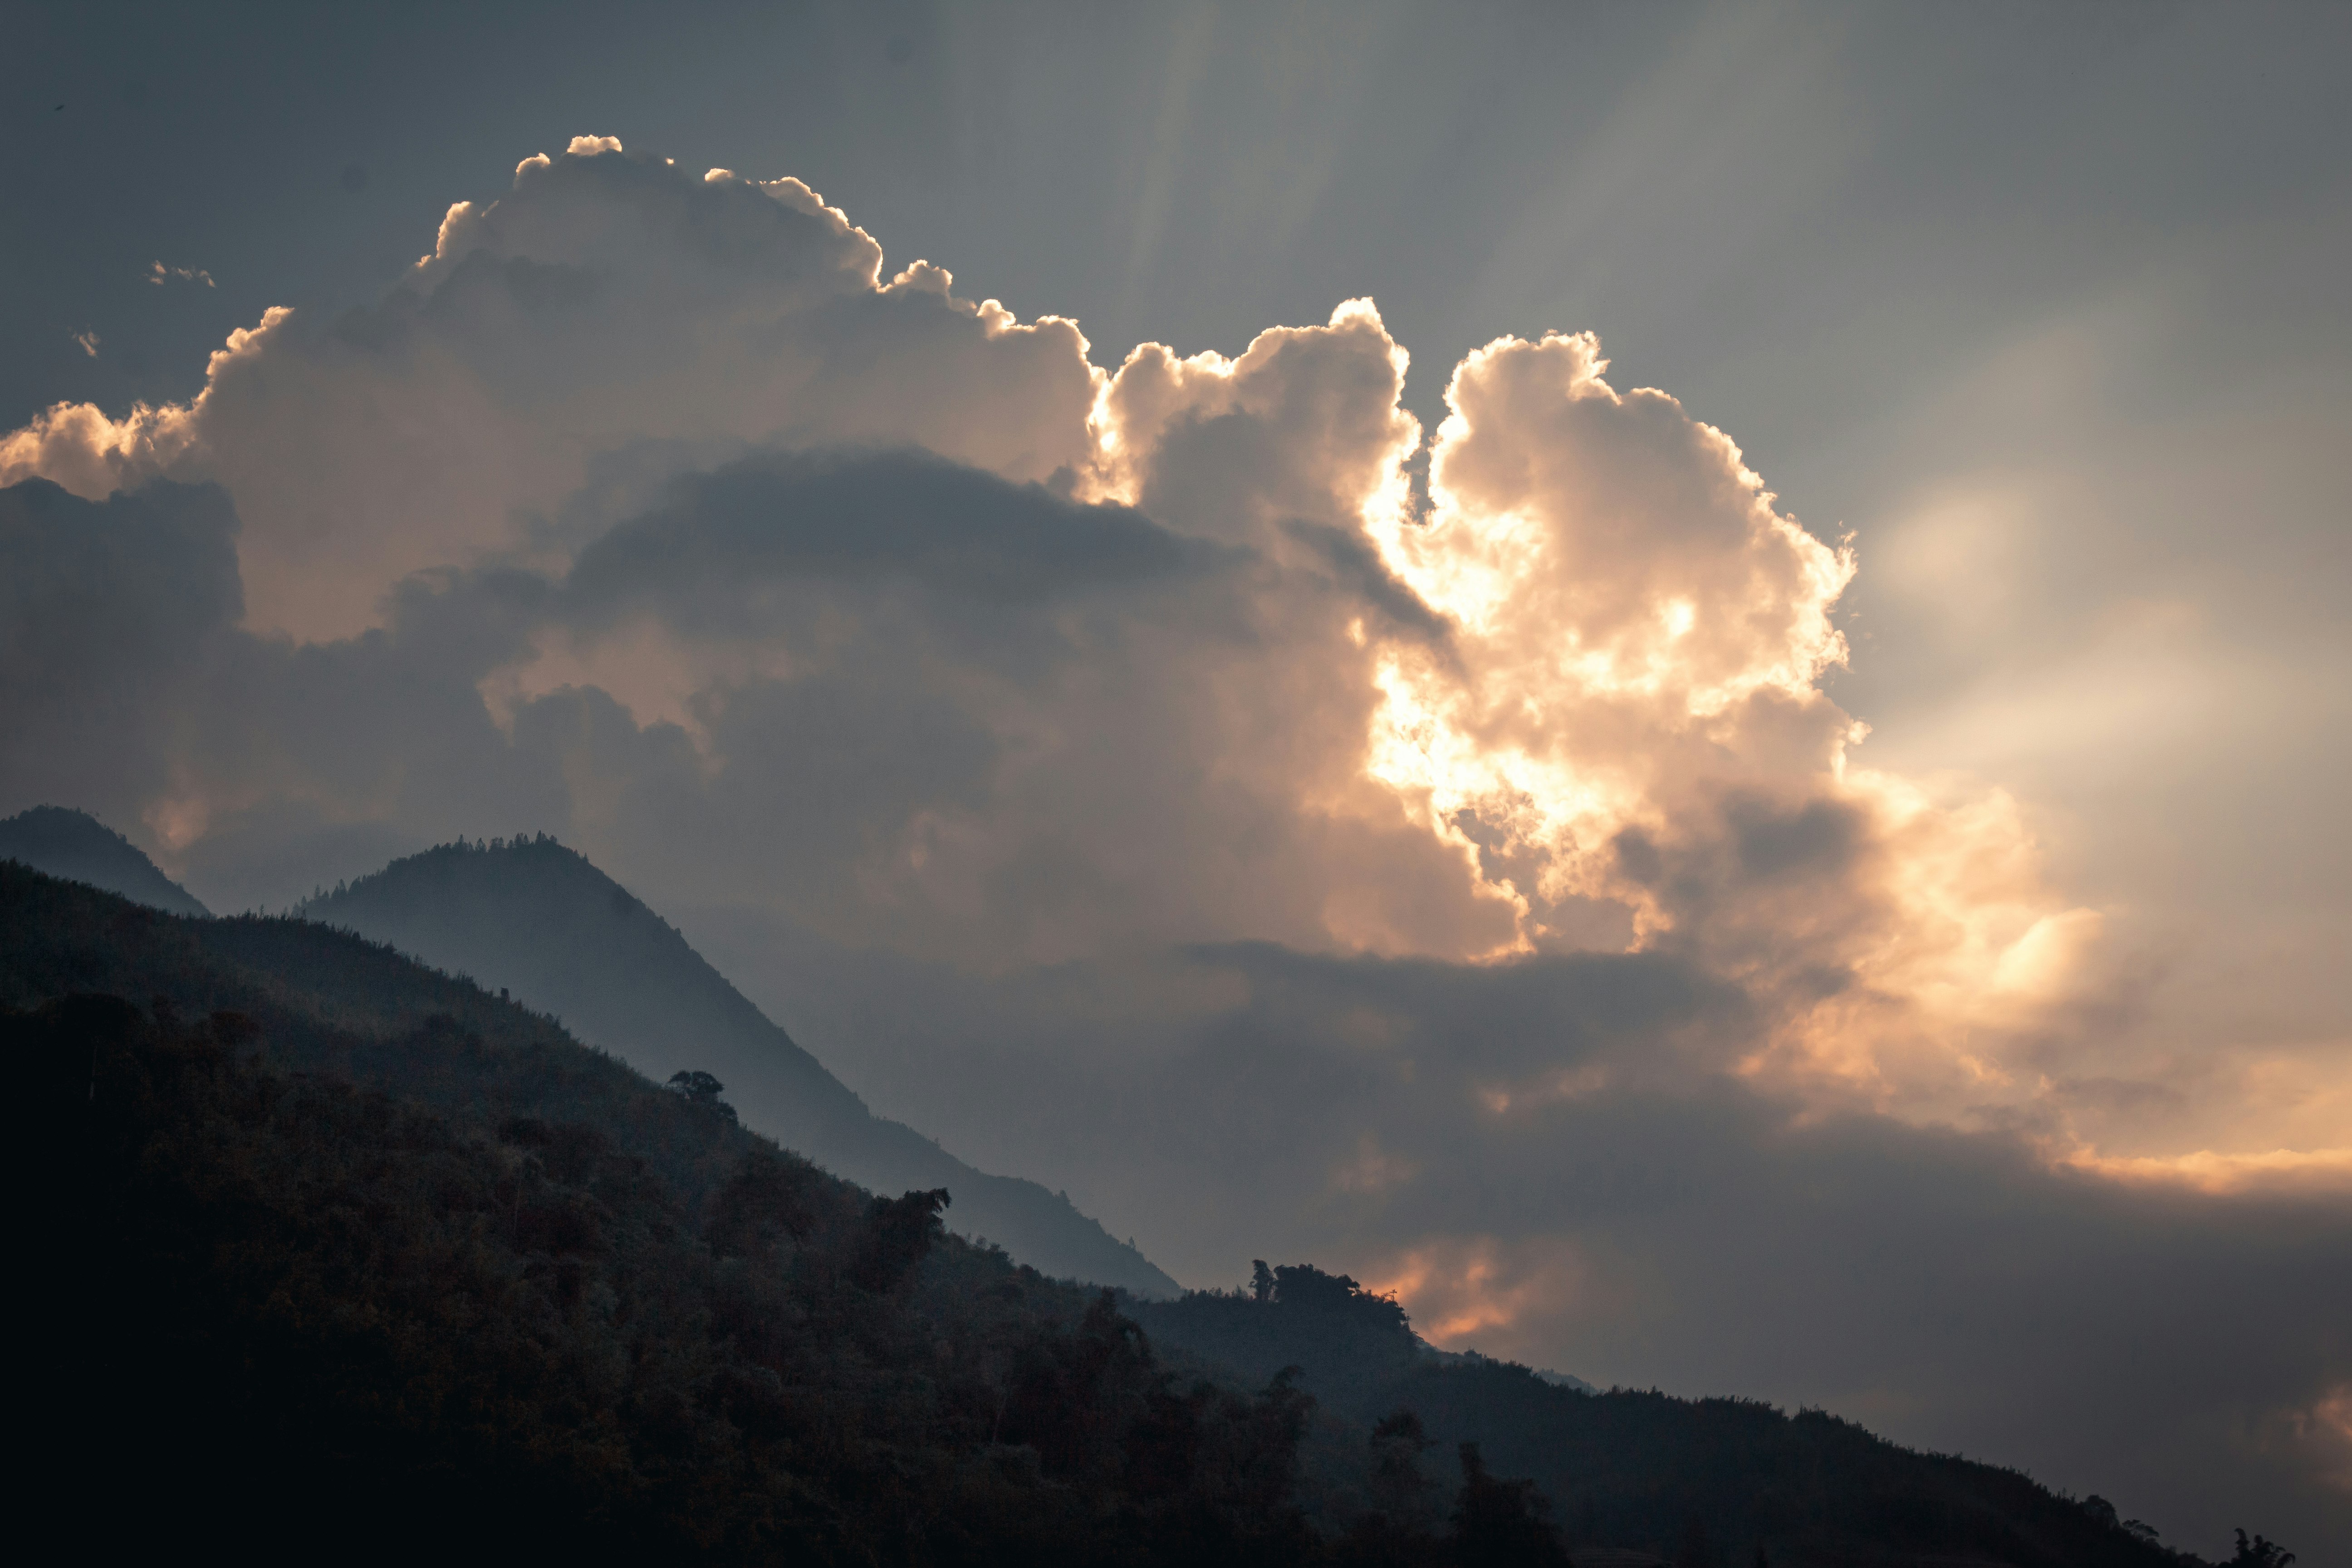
78	848
533	919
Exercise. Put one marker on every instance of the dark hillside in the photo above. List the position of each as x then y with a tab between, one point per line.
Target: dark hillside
1642	1470
331	1254
539	921
321	1281
80	848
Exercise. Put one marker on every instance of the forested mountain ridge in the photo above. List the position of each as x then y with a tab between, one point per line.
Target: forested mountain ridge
349	1255
78	848
540	921
1690	1480
354	1259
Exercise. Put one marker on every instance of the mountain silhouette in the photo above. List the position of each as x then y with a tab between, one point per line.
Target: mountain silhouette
78	848
338	1250
432	1270
535	920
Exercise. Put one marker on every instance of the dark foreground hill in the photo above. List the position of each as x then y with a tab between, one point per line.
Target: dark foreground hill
537	920
335	1255
1689	1481
78	848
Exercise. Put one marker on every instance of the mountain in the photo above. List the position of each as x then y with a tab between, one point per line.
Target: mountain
330	1251
337	1255
538	921
1693	1481
1430	1353
78	848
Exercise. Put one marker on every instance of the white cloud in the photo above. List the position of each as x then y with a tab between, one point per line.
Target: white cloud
158	274
1571	699
604	305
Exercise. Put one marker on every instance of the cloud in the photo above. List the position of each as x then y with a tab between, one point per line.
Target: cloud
605	302
2322	1170
982	721
1168	654
719	538
111	616
1135	776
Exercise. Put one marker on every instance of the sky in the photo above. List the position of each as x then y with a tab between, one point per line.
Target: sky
1671	677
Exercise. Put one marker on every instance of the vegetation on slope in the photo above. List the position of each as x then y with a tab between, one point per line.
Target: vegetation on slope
78	848
537	919
351	1256
354	1280
1694	1480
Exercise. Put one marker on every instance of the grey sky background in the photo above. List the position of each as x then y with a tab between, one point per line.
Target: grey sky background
2044	306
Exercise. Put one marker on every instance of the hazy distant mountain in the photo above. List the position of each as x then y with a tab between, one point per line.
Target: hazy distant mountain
536	919
78	848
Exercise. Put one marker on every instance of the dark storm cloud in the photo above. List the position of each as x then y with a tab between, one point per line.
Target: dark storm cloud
1818	838
1030	696
109	613
1552	1011
1358	568
904	516
128	687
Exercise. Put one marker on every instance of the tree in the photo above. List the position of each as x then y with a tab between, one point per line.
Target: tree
1499	1523
701	1087
1399	1489
2259	1553
770	1197
899	1233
